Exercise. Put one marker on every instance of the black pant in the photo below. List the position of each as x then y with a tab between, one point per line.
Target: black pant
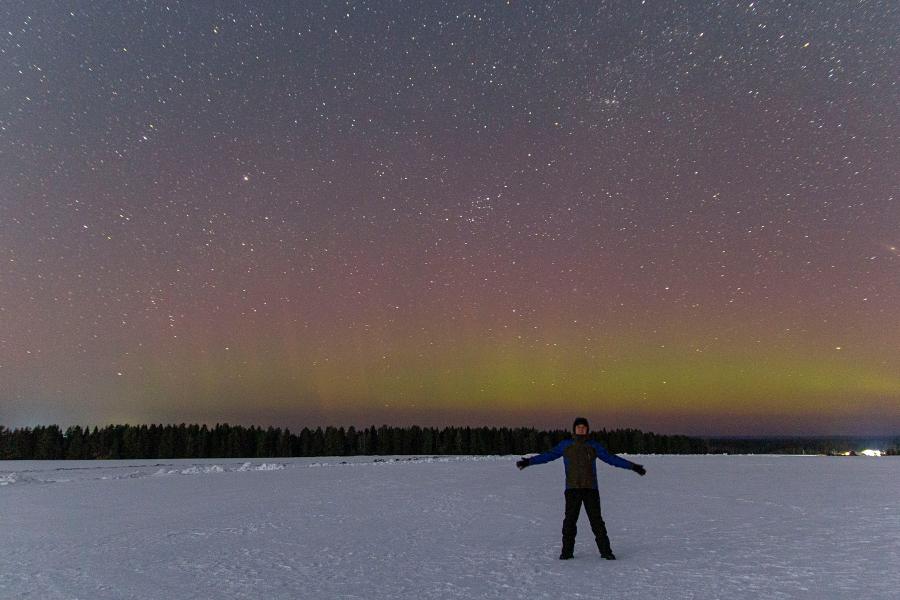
591	500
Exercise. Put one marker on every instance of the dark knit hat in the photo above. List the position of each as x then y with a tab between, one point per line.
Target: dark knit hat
580	421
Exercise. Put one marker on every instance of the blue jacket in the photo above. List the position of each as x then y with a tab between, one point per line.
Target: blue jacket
579	457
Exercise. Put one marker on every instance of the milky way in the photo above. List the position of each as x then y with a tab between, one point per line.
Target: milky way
672	216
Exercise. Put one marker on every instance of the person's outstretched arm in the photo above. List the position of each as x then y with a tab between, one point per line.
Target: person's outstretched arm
616	461
545	457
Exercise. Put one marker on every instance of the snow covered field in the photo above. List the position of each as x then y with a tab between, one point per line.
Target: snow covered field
448	527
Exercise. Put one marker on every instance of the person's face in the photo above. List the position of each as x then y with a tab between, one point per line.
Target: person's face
581	429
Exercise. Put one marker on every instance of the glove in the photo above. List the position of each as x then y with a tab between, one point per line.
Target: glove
639	469
522	463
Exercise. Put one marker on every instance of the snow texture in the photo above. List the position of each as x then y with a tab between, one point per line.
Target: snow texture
447	527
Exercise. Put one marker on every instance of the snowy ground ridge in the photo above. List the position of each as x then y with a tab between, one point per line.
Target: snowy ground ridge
100	470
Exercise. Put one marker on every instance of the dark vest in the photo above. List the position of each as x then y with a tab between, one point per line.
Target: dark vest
580	458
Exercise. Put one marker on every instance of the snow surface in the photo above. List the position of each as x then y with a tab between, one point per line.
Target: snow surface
447	527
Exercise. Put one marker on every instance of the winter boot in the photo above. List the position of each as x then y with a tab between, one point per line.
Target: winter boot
604	547
568	549
605	551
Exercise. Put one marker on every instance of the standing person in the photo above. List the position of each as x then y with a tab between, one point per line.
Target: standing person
579	454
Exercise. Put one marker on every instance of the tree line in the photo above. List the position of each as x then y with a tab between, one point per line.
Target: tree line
234	441
50	442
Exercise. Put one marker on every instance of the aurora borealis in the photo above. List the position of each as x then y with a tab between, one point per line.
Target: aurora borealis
676	216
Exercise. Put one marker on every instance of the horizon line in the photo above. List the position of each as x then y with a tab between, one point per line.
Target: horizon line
754	436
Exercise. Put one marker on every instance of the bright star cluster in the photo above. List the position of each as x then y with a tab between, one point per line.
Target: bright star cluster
674	216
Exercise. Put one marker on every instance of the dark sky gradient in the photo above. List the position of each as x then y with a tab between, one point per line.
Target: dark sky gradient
679	216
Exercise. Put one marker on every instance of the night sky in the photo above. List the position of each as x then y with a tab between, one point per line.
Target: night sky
675	216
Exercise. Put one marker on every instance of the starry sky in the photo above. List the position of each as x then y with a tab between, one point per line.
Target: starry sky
674	216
